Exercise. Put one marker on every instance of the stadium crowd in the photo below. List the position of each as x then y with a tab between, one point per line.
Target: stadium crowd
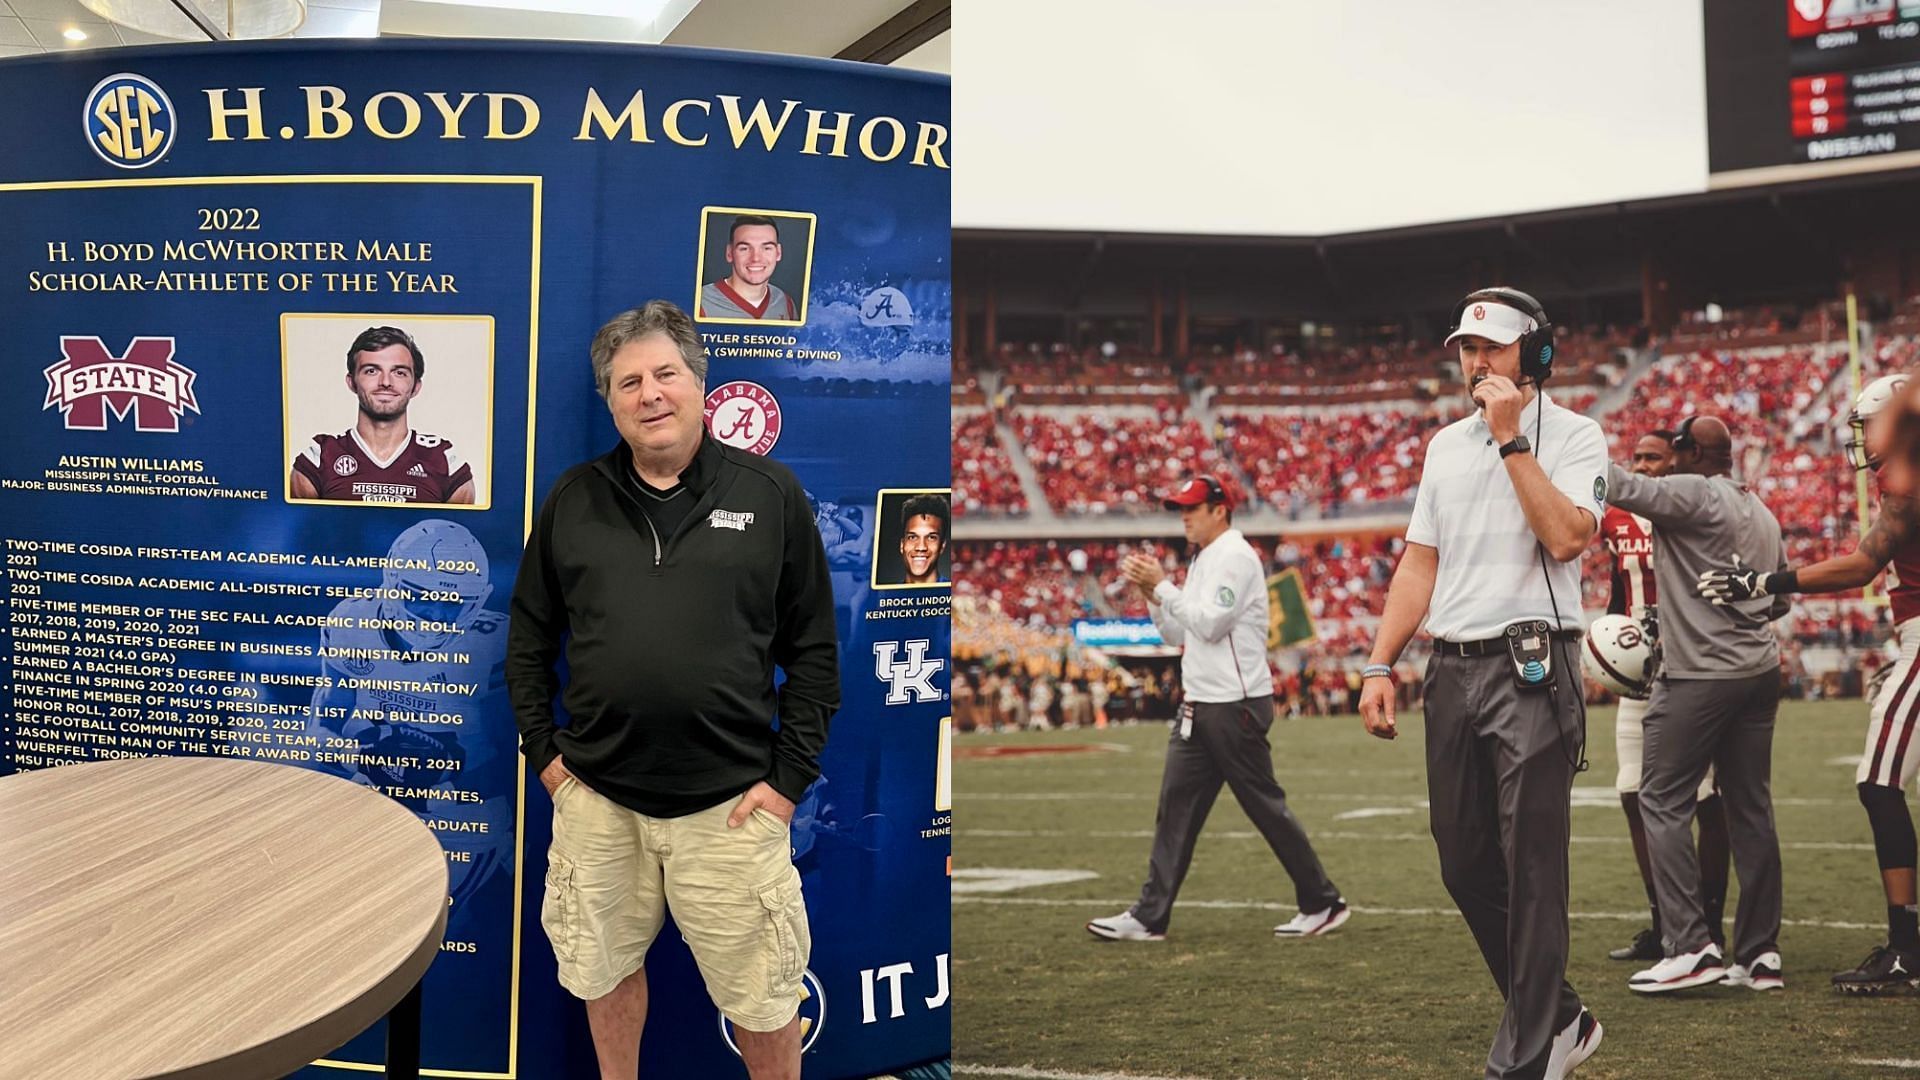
1778	376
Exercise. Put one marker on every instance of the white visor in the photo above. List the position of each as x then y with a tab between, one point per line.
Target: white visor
1496	322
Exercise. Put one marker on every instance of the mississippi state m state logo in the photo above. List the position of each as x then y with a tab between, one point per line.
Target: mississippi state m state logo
145	381
910	679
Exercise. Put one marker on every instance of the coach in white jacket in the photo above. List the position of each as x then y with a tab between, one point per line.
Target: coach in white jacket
1221	732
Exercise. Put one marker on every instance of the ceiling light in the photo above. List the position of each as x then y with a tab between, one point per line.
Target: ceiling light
74	33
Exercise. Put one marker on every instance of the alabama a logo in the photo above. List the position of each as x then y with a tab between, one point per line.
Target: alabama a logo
90	382
128	121
910	679
744	415
886	306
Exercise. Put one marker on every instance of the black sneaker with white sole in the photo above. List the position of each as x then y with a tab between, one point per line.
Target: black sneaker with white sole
1645	948
1885	970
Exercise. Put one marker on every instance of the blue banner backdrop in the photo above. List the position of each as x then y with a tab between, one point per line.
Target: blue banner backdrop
204	558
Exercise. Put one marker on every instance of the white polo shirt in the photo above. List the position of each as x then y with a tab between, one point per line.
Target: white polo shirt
1489	573
1221	618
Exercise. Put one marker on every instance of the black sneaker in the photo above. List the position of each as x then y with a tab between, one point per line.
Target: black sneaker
1646	947
1884	969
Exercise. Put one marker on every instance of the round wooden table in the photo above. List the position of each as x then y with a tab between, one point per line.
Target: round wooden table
205	917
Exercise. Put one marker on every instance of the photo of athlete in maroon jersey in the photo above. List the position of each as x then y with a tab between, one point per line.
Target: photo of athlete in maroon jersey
381	459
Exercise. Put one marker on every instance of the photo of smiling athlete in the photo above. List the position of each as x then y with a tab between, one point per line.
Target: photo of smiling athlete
381	459
923	537
753	251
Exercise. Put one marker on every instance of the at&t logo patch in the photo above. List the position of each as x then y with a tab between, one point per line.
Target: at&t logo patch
91	382
744	415
129	121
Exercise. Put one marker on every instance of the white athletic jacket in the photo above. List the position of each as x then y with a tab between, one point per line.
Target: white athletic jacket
1221	618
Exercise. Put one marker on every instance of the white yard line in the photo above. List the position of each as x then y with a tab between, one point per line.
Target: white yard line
1889	1063
1029	1072
1268	905
1319	834
1586	798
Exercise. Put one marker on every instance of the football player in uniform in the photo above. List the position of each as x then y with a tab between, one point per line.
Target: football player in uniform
381	459
1629	540
844	533
753	251
1892	756
442	753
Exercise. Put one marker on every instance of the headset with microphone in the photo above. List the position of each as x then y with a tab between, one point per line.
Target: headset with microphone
1536	345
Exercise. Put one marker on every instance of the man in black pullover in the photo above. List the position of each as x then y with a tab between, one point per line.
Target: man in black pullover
675	573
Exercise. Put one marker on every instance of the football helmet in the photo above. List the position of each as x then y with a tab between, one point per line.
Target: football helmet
437	575
1617	654
1874	397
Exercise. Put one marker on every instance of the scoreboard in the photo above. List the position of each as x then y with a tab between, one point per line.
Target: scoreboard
1804	82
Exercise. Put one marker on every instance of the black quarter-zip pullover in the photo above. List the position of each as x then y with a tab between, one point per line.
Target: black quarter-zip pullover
671	640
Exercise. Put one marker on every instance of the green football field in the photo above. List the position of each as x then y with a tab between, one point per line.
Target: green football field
1044	841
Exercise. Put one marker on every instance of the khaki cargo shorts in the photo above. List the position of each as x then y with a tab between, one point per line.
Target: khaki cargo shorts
613	873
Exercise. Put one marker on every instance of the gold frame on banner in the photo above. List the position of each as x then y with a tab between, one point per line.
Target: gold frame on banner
534	184
286	407
806	276
873	566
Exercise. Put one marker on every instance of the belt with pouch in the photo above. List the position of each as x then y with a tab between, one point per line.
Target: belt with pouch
1493	646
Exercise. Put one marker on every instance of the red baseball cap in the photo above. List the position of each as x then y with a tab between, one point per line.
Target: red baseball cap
1204	488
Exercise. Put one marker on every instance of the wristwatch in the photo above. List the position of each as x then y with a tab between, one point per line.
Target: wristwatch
1519	445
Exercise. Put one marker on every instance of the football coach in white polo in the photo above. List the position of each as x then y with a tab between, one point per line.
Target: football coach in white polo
1509	499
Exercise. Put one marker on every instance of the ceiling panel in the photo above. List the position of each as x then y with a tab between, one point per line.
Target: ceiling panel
339	22
49	34
781	26
52	9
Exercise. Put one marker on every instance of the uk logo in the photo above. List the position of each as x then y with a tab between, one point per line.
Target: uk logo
145	381
910	679
129	121
744	415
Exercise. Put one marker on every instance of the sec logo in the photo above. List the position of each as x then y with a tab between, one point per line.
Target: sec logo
744	415
129	121
346	465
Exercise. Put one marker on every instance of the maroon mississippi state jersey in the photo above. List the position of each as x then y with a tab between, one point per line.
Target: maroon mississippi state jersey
1629	539
424	470
1903	583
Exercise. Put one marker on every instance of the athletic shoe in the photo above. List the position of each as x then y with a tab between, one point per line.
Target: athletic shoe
1124	927
1884	969
1645	948
1697	968
1574	1044
1320	922
1762	974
